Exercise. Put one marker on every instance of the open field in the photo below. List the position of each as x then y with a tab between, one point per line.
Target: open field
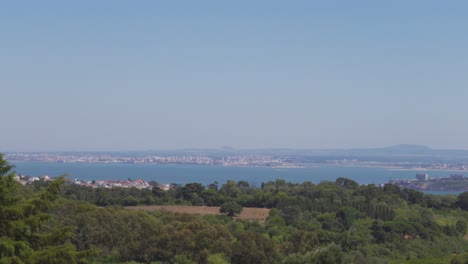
248	213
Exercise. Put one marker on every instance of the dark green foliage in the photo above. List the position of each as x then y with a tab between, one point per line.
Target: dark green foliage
330	254
412	196
347	216
347	183
367	224
114	196
252	248
230	208
462	201
5	167
461	227
25	232
190	191
230	189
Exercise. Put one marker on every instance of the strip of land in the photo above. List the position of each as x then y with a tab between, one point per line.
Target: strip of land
247	214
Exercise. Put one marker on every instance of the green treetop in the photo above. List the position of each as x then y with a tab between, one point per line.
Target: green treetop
23	236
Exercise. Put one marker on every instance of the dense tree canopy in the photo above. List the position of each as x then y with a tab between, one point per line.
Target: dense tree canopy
24	236
328	222
231	208
462	201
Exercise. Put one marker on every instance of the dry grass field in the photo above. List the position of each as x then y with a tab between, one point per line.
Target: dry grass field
249	214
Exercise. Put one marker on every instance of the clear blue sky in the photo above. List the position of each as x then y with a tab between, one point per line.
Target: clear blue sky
137	75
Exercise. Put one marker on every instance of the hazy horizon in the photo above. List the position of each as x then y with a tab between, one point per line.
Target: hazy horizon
147	75
227	148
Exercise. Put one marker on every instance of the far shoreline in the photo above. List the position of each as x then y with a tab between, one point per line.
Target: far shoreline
312	165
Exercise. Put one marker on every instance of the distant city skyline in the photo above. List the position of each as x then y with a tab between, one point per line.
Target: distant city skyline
150	75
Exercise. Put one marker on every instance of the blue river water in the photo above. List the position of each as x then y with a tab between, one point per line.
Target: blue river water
182	174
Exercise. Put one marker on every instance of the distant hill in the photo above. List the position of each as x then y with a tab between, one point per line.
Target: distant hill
407	148
402	149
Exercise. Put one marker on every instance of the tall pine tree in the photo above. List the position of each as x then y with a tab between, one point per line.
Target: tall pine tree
24	238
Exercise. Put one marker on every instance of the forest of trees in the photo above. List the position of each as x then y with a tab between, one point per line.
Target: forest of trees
327	222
